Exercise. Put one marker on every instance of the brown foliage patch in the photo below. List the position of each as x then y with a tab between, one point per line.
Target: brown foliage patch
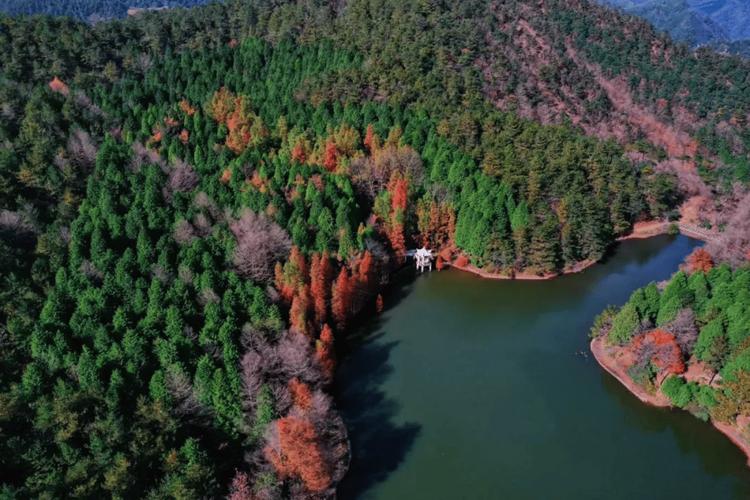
59	86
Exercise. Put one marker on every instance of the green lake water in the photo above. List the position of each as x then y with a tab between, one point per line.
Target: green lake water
469	389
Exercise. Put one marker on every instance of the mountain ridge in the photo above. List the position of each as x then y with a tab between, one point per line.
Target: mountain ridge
91	10
722	24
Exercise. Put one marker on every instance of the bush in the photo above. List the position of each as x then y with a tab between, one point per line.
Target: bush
677	391
668	311
710	340
705	396
624	325
603	322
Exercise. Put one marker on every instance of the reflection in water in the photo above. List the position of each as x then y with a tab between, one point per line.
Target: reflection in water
379	445
469	388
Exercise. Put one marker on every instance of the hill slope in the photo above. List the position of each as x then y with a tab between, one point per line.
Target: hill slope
194	204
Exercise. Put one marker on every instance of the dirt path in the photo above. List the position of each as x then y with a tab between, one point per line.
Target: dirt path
649	229
646	229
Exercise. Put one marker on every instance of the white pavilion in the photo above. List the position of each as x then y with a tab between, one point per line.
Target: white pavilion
423	259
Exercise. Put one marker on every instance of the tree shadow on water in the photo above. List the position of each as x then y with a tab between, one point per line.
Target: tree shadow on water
379	444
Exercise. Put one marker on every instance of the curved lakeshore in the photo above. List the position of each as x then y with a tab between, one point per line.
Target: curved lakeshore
641	230
522	276
610	363
484	385
608	359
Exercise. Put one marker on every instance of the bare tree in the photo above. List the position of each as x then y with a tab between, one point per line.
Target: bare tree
202	200
684	329
185	397
185	274
644	352
733	244
296	358
144	62
202	224
89	270
184	232
83	101
372	173
260	243
16	226
142	155
64	234
253	376
82	149
208	296
182	179
161	274
7	110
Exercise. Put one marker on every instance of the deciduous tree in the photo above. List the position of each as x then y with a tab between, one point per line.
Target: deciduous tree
296	452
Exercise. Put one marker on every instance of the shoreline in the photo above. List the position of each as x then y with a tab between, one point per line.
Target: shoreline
522	276
606	361
641	231
647	229
611	366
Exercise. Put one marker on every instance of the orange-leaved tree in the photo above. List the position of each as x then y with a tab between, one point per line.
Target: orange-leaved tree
330	159
324	351
298	453
298	310
700	260
301	394
398	187
320	278
371	140
342	298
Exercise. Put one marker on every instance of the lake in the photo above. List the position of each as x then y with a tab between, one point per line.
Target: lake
467	388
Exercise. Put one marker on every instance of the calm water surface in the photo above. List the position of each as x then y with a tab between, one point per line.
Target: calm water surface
470	389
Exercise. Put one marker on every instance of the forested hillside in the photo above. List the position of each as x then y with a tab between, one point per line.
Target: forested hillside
195	204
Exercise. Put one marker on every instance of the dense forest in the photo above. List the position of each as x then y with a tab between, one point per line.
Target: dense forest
195	204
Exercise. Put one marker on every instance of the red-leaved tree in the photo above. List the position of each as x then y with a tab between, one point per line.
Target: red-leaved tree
700	260
298	152
320	277
399	189
301	394
298	310
330	159
662	349
298	453
342	297
366	269
241	489
57	85
371	139
324	351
